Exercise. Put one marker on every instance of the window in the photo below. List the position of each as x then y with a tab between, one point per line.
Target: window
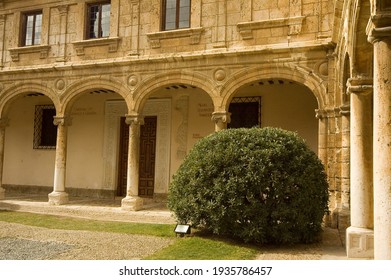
98	20
31	28
176	14
45	132
245	112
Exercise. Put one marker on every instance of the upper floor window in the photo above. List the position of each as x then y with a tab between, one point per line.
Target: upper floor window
98	20
31	28
176	14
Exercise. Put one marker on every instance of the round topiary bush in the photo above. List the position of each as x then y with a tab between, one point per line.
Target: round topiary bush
259	185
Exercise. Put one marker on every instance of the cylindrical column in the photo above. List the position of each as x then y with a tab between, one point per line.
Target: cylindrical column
132	201
59	196
359	238
381	39
221	120
3	124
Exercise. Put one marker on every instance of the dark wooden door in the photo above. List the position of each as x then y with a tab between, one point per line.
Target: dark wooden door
146	160
123	158
147	157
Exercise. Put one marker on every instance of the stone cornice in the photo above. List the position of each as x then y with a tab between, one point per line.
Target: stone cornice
317	46
42	49
111	42
294	23
193	33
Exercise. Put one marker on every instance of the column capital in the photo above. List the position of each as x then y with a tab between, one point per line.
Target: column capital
134	119
379	27
320	114
221	117
360	85
63	9
62	120
344	110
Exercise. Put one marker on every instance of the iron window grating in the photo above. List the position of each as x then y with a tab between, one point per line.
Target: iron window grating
45	132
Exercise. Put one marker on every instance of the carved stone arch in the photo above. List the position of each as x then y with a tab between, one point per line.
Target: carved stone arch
153	83
288	72
361	64
75	90
20	89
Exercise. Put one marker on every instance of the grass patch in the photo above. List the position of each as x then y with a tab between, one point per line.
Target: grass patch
58	222
188	248
200	248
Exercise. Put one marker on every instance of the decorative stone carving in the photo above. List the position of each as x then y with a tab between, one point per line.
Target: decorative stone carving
220	75
221	119
182	105
133	80
112	44
60	84
42	50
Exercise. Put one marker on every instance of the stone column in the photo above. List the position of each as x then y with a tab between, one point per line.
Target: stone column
59	196
359	236
380	36
221	120
132	201
3	124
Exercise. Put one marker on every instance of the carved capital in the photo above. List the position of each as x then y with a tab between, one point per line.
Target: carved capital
134	119
344	110
320	114
221	117
360	85
62	120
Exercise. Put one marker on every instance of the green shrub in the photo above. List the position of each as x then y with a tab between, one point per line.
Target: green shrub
258	185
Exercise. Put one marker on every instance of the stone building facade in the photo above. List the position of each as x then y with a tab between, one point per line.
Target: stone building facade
133	84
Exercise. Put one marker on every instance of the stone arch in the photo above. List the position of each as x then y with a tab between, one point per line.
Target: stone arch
18	90
156	82
95	83
291	72
361	64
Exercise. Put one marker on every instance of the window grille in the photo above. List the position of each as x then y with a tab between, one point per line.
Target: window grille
45	132
245	112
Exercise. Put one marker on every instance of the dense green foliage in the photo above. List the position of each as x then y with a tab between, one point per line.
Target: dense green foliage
258	185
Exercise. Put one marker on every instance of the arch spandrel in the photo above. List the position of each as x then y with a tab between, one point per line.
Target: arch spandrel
293	73
20	89
155	82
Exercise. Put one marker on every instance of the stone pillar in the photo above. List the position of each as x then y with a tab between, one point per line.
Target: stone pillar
59	196
132	202
3	124
221	120
322	135
380	37
359	236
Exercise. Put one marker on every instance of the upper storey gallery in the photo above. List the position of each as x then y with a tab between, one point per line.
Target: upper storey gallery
45	32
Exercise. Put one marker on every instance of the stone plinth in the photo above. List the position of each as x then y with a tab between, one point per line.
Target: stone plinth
359	243
58	198
132	203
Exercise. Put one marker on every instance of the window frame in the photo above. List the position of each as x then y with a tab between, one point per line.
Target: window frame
177	16
87	33
24	21
39	141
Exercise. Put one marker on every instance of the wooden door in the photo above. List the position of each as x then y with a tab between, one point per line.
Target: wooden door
147	157
146	160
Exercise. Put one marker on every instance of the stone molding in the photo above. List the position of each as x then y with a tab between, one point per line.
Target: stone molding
111	42
193	33
43	50
294	23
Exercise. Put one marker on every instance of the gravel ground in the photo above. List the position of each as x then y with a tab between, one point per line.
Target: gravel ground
20	242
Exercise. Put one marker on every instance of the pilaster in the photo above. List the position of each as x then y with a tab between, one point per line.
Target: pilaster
63	11
221	119
359	235
59	196
132	202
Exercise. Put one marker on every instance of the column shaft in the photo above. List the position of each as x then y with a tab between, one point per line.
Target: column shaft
132	201
2	138
59	196
382	147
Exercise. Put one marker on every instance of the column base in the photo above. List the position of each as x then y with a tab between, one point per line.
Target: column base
132	203
359	243
58	198
2	193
